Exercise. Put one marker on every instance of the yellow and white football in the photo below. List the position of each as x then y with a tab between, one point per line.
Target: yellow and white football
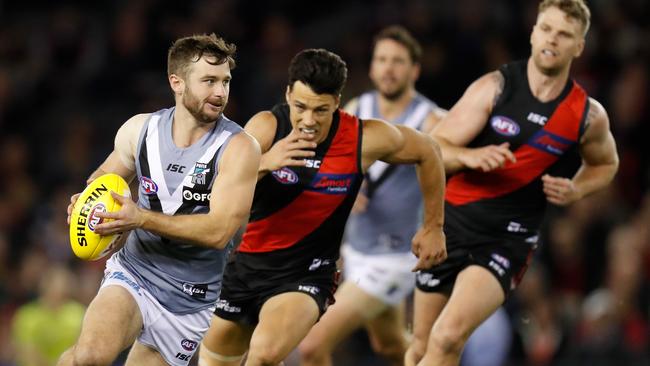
95	198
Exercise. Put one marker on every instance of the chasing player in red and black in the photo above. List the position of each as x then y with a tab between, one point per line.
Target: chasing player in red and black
282	277
503	139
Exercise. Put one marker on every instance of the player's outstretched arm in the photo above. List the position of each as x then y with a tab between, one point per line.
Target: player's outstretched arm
404	145
230	202
289	151
599	161
465	121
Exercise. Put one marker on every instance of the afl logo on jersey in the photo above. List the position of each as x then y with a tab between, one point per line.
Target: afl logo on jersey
504	126
285	176
148	185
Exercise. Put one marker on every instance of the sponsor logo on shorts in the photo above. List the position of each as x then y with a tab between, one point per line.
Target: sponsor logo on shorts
285	176
148	185
195	290
183	356
501	260
189	345
504	126
122	277
497	268
427	279
533	239
309	289
225	306
317	263
392	289
515	227
95	220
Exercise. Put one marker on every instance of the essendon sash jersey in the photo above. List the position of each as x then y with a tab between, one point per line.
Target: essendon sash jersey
300	212
541	136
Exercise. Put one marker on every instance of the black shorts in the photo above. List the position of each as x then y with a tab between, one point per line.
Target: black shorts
245	289
507	258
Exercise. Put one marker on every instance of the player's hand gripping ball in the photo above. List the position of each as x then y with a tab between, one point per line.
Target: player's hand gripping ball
95	198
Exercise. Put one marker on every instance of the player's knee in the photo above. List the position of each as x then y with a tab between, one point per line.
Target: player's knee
265	353
448	340
311	352
416	349
90	356
264	358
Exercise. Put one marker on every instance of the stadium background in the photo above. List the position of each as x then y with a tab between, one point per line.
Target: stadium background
71	72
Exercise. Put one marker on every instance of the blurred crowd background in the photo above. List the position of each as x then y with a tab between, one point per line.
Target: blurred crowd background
71	72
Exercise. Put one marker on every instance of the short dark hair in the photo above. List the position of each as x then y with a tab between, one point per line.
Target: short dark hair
188	50
576	9
323	71
402	36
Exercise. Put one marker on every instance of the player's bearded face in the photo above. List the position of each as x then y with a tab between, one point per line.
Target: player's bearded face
206	89
391	87
392	70
207	109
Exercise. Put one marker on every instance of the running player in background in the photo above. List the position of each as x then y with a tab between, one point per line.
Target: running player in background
282	277
500	140
377	257
197	172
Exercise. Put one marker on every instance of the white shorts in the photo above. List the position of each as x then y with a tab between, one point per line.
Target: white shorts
388	277
175	337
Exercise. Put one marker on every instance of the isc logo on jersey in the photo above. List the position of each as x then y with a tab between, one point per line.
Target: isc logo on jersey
85	243
312	163
537	118
504	126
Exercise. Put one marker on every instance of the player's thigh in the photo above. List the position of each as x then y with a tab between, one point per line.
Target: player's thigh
285	319
112	322
476	295
226	337
353	307
141	354
427	306
387	329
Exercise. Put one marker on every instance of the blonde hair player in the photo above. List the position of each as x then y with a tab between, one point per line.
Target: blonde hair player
521	122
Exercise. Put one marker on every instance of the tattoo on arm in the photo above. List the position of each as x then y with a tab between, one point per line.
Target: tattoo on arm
500	80
591	114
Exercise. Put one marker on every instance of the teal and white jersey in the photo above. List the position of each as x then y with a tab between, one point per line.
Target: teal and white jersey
393	212
184	278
